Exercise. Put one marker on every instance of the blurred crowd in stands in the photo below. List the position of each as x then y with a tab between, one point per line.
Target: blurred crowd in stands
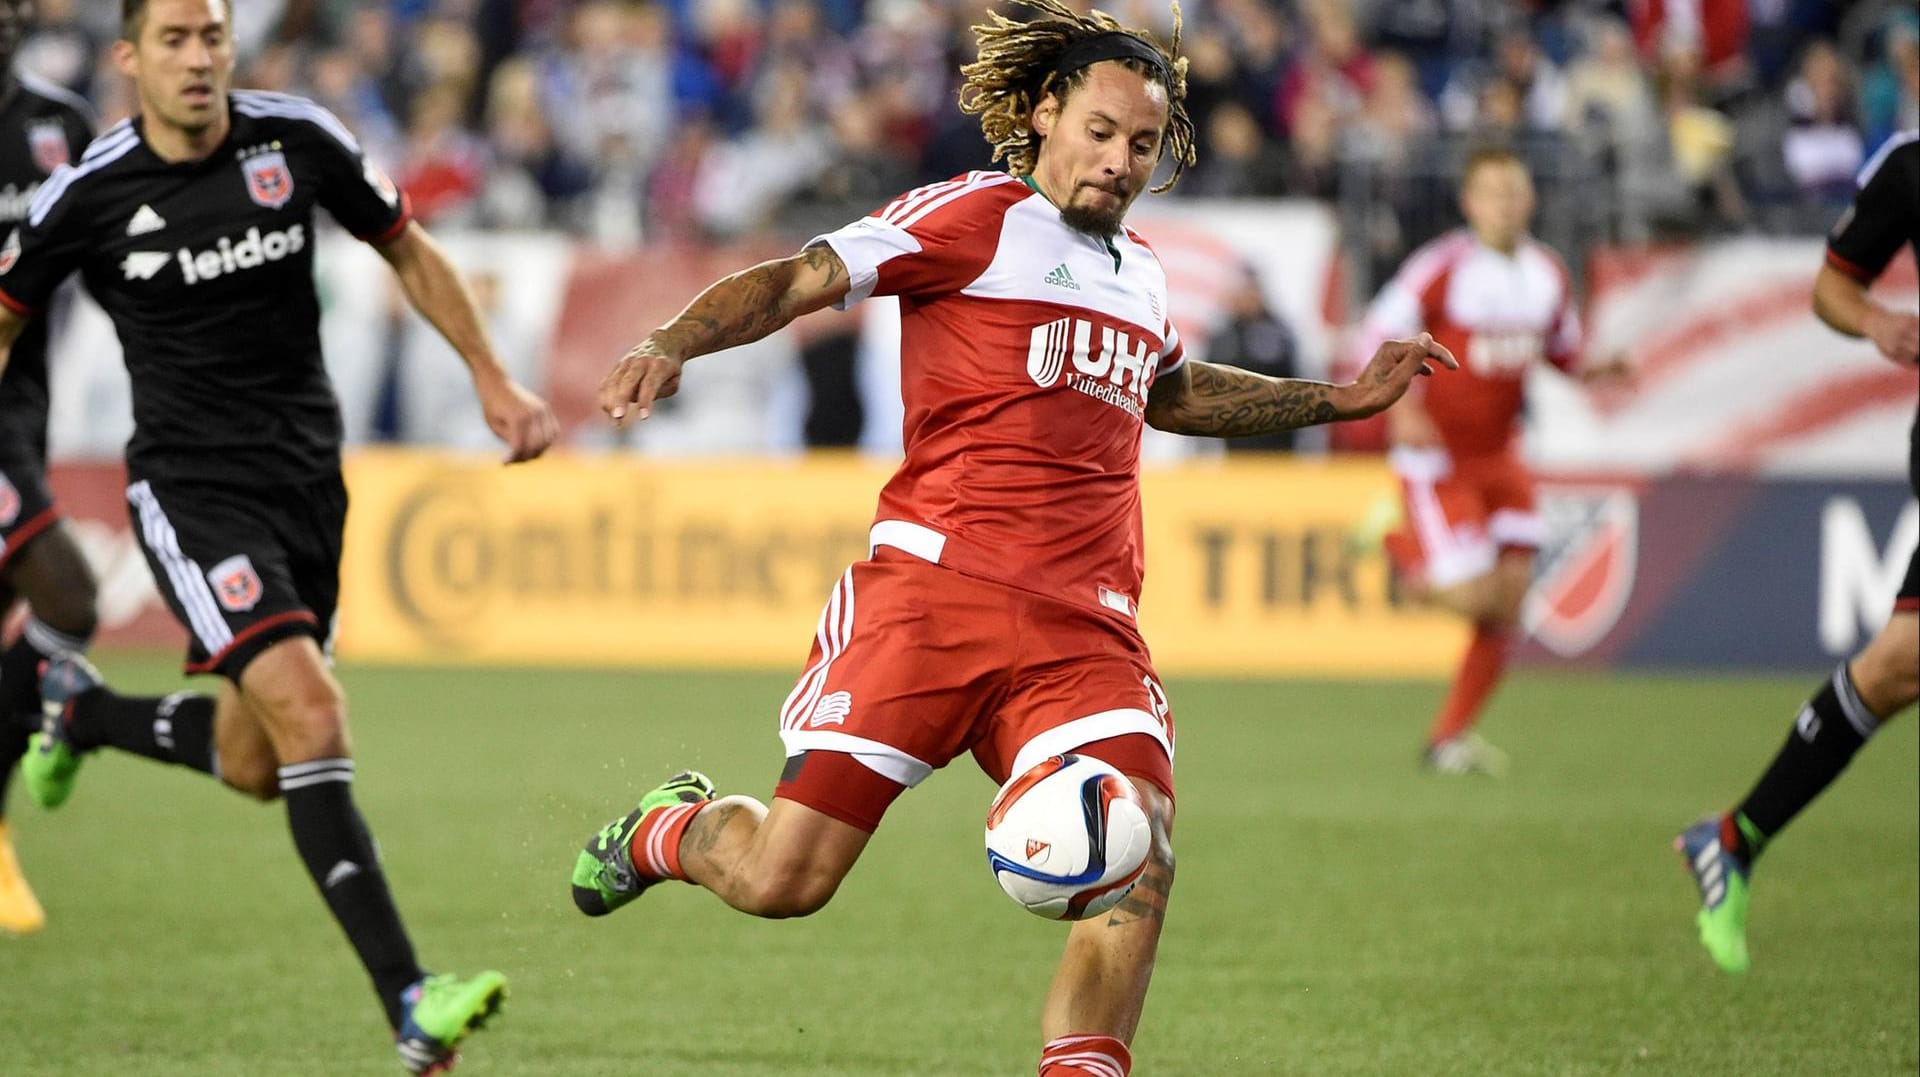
625	121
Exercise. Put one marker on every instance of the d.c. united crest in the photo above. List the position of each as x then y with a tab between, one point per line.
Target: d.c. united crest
269	180
235	584
1586	567
48	142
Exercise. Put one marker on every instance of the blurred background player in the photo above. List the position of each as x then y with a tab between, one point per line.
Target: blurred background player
1883	679
42	126
1501	301
193	225
995	614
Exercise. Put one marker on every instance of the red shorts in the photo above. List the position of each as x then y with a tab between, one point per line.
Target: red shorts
1461	513
915	664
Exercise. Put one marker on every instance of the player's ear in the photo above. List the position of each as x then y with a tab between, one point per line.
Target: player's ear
124	57
1045	115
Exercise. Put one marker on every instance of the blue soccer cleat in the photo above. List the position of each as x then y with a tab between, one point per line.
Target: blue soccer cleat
438	1012
52	762
1721	875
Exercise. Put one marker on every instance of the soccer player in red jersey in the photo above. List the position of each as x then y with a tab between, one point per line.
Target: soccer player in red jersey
995	614
1882	680
1502	301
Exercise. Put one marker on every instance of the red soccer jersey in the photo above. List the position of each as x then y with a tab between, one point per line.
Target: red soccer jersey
1498	314
1027	350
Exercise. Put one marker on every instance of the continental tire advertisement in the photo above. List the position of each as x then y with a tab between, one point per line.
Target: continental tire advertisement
1252	567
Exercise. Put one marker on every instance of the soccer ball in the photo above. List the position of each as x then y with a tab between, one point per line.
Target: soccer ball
1068	838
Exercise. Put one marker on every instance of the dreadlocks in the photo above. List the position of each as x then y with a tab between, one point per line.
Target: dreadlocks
1016	69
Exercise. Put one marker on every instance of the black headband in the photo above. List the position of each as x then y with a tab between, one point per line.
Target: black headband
1112	45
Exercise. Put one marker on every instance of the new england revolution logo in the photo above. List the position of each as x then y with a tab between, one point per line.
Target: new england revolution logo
269	180
1586	567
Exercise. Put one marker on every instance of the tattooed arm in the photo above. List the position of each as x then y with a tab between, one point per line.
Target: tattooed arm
735	310
1227	402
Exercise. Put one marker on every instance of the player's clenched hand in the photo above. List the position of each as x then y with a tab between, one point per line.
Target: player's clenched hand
1393	367
1897	335
642	376
519	418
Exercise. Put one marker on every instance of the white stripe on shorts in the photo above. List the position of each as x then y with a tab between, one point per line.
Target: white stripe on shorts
834	632
883	759
189	582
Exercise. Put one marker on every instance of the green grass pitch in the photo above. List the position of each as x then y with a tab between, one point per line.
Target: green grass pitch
1337	912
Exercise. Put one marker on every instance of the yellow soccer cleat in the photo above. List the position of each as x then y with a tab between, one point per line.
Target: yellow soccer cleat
20	911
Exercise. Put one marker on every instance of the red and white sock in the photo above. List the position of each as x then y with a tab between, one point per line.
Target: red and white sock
656	841
1085	1056
1480	670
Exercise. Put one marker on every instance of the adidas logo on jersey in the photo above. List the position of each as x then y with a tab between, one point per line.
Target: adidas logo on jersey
256	248
145	220
142	265
1061	278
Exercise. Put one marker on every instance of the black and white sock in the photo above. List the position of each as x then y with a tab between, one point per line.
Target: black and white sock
1830	729
175	728
339	853
20	670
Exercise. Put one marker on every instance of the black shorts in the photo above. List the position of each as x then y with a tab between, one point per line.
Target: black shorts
243	569
26	505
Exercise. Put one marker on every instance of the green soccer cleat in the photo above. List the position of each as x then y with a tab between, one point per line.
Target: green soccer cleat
438	1012
52	762
1721	876
604	877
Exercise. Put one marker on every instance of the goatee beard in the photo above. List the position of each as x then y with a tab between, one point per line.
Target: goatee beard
1098	223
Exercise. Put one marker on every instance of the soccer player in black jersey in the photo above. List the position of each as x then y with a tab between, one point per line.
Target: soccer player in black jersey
42	127
192	224
1882	680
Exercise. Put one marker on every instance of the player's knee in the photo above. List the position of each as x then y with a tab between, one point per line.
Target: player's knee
1888	679
310	724
70	613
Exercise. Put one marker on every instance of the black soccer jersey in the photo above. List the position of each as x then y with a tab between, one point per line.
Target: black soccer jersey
42	126
206	268
1884	215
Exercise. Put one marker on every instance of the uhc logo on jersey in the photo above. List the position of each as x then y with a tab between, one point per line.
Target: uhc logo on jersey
269	180
1119	374
256	248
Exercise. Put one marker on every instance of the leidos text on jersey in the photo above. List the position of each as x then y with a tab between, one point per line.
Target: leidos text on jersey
253	249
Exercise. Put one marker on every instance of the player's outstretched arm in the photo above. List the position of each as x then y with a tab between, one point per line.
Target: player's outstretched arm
1843	303
440	294
1227	402
735	310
